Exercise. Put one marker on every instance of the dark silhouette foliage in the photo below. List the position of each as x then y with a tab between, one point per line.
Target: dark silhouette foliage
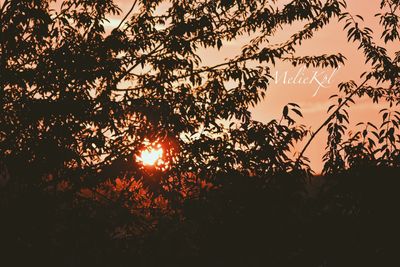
80	102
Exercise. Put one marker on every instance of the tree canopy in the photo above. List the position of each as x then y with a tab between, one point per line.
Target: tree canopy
79	102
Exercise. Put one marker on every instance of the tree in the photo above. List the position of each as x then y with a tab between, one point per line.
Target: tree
370	146
66	118
78	104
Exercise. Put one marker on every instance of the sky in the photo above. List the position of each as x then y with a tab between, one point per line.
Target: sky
332	39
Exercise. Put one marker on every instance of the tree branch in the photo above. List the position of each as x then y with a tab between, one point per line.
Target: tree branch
127	15
328	120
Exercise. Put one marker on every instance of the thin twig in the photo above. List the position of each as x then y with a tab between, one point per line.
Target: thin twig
127	14
123	75
196	72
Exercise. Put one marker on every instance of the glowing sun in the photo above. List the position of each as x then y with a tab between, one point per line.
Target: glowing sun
151	156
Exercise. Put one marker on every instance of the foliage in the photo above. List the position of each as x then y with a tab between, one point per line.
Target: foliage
378	146
79	102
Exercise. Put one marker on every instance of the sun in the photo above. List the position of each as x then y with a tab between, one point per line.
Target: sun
151	156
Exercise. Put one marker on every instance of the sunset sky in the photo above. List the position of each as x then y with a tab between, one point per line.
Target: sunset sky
126	140
332	39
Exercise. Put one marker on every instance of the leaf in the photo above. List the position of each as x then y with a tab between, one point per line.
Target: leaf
330	107
385	115
294	104
333	96
365	132
285	111
361	18
298	112
219	44
347	25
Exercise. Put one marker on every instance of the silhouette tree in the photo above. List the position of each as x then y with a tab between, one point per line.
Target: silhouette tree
79	102
381	83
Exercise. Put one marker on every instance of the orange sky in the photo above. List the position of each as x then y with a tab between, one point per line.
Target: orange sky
332	39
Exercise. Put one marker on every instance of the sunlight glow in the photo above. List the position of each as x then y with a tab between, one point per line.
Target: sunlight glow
151	156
